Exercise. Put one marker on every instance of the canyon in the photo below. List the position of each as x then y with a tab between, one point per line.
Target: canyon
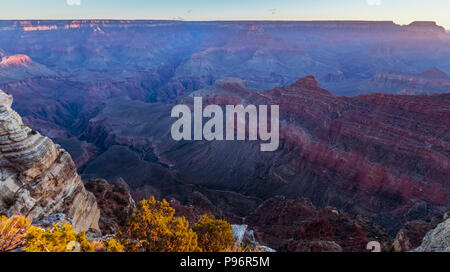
364	123
382	156
235	123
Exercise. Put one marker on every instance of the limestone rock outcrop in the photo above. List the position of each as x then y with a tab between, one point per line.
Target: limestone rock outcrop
37	177
437	240
245	237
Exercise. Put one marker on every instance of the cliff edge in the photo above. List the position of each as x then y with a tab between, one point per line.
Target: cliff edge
37	177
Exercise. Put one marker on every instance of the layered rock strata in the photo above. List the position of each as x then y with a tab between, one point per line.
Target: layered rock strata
37	177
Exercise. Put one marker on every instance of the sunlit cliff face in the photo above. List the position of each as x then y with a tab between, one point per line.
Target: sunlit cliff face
17	60
39	28
44	26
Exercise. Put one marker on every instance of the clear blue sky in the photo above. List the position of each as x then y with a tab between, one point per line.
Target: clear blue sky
400	11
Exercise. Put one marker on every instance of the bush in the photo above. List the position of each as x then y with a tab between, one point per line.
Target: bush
112	245
60	238
13	232
154	227
214	235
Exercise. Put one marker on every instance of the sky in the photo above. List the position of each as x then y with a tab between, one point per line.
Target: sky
399	11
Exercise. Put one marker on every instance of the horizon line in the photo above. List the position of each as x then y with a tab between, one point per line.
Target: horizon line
233	20
214	20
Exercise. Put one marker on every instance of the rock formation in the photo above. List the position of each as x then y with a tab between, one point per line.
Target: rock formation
37	177
245	237
412	233
20	67
115	203
380	156
431	81
437	240
297	225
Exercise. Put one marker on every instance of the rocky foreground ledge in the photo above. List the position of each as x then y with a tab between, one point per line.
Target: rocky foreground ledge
437	240
37	178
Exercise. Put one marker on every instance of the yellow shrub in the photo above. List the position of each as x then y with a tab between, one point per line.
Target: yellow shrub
214	235
13	232
60	238
112	245
155	228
